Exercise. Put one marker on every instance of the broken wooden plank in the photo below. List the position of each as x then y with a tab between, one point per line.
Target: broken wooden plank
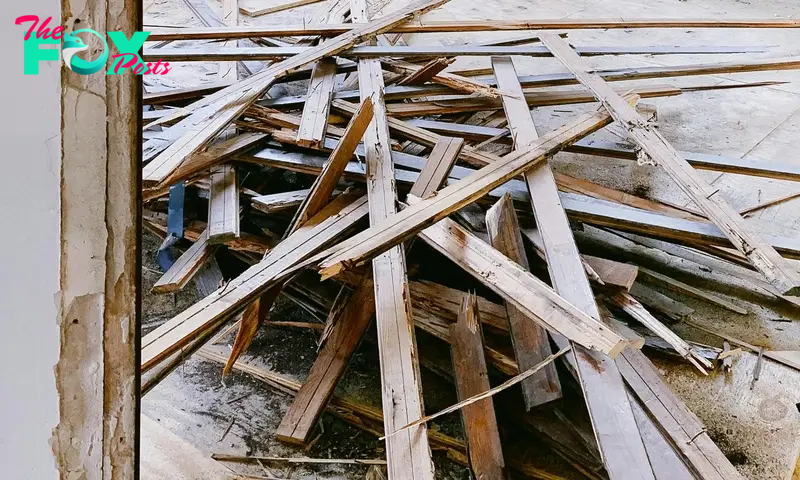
777	271
453	81
227	104
460	26
336	218
223	205
185	267
318	100
637	311
362	247
427	72
530	341
326	182
257	12
471	378
278	202
603	390
320	90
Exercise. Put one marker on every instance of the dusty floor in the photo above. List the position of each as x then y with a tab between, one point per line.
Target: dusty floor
757	428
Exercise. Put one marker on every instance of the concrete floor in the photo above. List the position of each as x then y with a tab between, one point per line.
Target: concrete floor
757	428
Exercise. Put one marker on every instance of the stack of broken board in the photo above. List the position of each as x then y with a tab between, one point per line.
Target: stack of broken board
392	149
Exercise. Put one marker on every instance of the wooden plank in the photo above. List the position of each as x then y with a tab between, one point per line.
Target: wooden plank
530	341
318	101
203	11
187	265
378	238
471	26
220	109
223	205
437	167
203	54
336	218
680	287
453	81
616	432
320	90
534	99
352	317
637	311
612	273
427	72
278	202
777	271
681	427
471	378
257	12
175	95
408	453
520	287
326	182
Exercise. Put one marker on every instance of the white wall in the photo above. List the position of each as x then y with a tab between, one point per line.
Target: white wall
30	152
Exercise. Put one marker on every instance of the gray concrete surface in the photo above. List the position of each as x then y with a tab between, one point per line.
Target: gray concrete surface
757	428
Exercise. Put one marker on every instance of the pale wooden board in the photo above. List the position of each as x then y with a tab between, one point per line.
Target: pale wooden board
223	205
187	265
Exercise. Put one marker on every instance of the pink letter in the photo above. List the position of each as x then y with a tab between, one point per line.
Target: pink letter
166	68
46	33
117	65
58	33
28	18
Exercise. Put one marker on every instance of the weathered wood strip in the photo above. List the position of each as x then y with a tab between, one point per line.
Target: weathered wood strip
223	205
187	265
472	378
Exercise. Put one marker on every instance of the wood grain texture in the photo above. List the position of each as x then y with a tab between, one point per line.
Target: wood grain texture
437	167
223	205
530	341
187	265
472	378
762	255
680	287
278	202
616	432
336	218
318	101
408	454
204	54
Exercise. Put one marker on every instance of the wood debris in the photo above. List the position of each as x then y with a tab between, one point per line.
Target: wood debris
390	143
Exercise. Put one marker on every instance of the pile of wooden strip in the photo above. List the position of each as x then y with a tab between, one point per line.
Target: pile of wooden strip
391	147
